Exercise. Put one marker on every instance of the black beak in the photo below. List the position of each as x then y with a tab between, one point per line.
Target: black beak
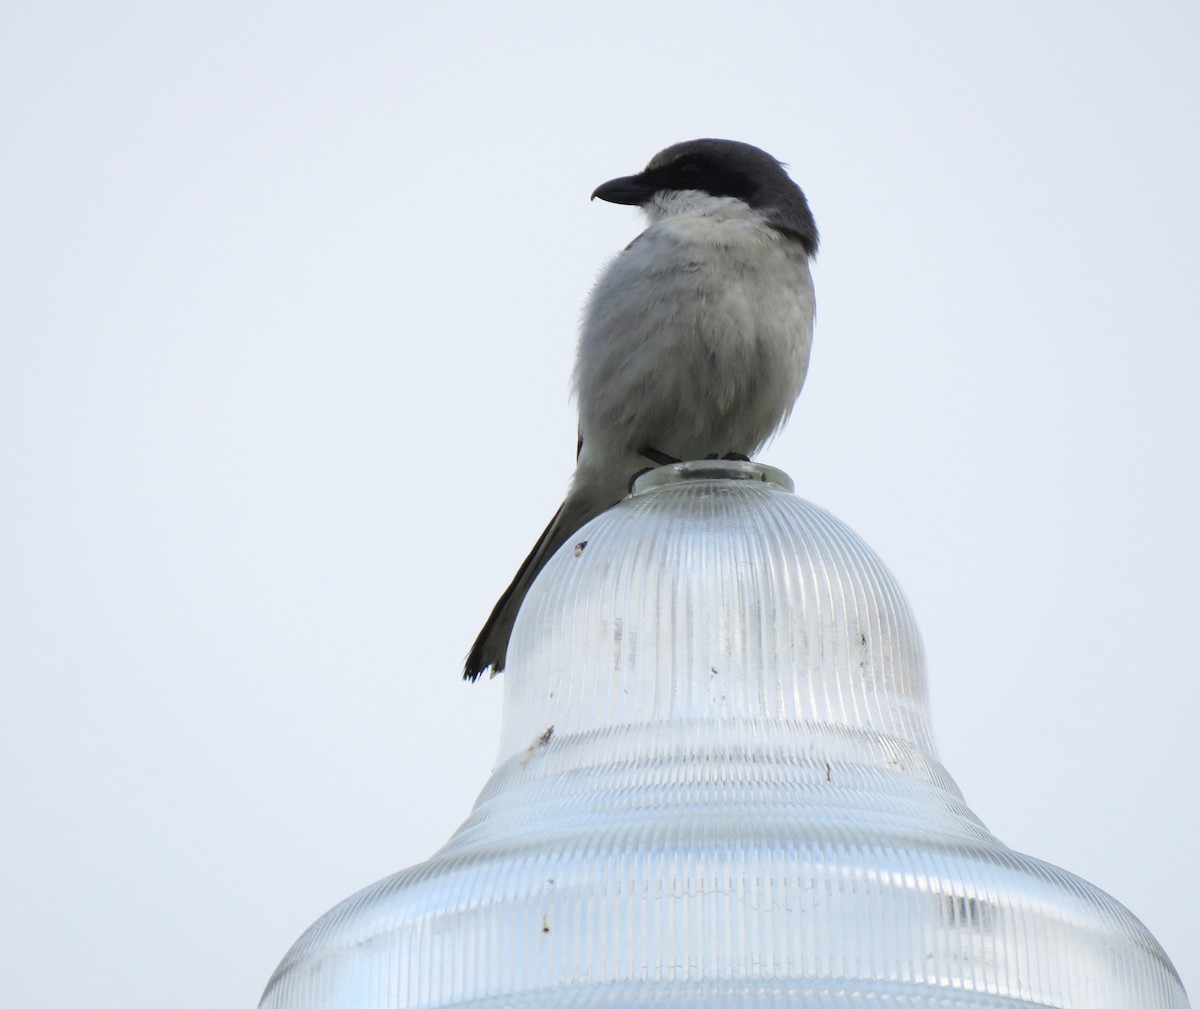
632	190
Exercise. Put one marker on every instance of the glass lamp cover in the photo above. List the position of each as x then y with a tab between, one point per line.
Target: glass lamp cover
717	787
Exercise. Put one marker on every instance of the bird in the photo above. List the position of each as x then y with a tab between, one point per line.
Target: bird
694	341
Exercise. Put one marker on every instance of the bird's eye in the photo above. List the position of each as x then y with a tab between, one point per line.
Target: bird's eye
688	171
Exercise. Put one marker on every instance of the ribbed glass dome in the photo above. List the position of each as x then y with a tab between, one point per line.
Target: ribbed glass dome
717	787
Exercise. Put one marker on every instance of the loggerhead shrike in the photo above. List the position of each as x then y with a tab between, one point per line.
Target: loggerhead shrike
694	341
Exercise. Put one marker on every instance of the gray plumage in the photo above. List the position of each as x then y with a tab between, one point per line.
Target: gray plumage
695	339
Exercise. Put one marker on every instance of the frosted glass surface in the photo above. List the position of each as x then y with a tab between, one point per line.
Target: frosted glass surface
717	787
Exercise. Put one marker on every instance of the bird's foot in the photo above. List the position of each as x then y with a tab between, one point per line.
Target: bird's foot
735	457
656	457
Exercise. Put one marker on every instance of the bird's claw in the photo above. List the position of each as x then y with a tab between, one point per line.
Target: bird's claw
657	457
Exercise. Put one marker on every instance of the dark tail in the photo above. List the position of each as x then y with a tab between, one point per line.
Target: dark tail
491	647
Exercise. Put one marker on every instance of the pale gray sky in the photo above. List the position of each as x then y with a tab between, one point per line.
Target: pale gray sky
290	295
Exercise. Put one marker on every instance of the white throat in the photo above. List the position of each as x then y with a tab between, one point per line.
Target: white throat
691	201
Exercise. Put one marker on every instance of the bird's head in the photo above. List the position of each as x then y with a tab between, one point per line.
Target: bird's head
677	179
